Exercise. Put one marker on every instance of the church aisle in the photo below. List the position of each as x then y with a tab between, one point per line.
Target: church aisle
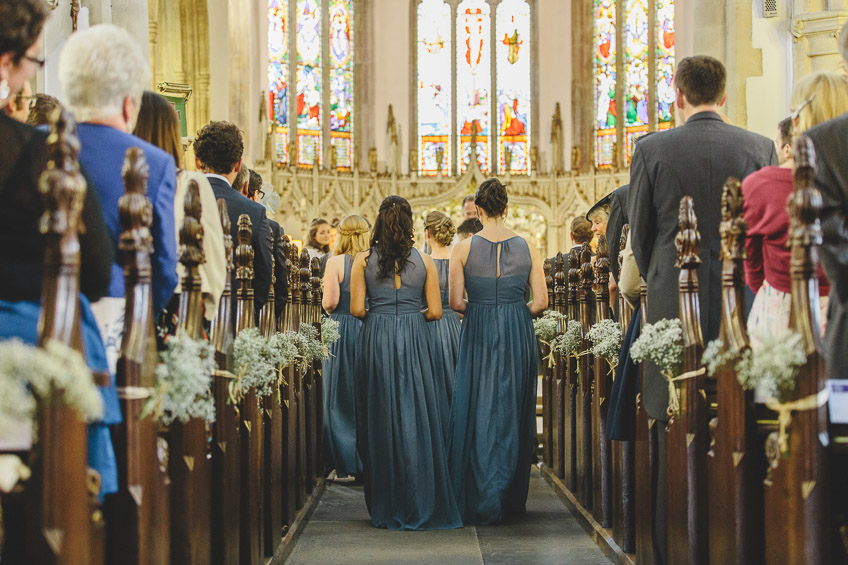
340	531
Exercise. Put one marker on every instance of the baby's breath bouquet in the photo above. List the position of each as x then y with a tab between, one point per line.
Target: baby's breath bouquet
662	344
568	344
256	360
309	346
329	331
772	368
606	341
713	358
184	380
548	326
28	372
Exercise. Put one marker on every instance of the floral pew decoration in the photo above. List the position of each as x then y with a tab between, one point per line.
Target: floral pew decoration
606	342
548	328
661	343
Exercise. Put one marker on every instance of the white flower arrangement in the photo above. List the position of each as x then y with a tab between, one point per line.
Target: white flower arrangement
568	344
774	365
661	344
606	341
713	358
329	331
256	360
184	381
309	346
547	327
28	372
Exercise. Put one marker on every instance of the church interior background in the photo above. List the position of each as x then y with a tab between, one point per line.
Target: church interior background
343	102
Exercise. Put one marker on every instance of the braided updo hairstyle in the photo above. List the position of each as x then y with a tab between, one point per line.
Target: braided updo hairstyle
440	227
392	236
353	235
492	197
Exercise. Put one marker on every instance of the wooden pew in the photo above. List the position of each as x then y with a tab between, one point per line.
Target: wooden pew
575	405
291	322
301	378
559	396
601	387
547	389
309	384
735	457
797	496
687	435
584	400
318	381
226	444
251	537
138	526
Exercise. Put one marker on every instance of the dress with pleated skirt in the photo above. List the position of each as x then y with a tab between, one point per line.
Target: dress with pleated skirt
338	371
492	425
444	344
399	428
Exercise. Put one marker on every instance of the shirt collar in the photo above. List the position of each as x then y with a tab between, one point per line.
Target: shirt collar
223	178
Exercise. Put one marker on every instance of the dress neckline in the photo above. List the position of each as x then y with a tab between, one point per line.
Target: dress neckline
494	242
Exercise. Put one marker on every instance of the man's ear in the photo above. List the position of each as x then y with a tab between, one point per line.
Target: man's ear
681	99
197	163
237	168
723	100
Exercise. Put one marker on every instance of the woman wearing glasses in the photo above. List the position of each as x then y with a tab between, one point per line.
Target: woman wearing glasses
816	98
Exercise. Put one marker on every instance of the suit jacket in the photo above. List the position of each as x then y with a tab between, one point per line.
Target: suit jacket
694	160
23	158
281	288
830	140
102	154
238	204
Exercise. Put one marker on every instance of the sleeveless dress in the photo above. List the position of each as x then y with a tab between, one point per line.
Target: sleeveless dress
399	429
339	401
444	344
492	425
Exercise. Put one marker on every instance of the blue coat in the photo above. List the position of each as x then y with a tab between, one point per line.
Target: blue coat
102	155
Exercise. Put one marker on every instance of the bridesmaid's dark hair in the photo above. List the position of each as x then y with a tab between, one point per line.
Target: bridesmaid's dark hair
392	236
492	198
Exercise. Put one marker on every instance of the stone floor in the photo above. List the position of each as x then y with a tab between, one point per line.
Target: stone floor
340	531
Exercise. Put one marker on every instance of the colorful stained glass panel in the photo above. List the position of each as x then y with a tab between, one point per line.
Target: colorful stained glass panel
512	52
309	81
434	87
605	77
666	94
473	75
278	114
341	80
635	73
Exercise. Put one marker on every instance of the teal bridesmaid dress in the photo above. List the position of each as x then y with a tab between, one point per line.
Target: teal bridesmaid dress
444	344
492	424
399	435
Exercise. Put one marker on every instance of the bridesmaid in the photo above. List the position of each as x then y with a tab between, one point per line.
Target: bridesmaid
339	405
492	424
399	431
444	333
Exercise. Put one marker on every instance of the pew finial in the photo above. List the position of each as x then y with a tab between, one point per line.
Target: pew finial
733	227
62	186
244	251
573	269
191	232
688	239
586	274
134	208
226	226
804	204
602	265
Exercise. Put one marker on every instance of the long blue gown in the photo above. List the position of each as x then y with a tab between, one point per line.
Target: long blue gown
492	425
444	344
399	433
339	401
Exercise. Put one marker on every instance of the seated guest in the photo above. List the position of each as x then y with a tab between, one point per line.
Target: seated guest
18	107
22	243
598	215
158	124
468	228
830	140
218	149
41	108
318	239
581	231
241	181
257	194
103	73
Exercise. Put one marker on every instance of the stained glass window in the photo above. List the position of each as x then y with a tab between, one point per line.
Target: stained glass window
434	87
473	81
341	81
309	82
512	53
635	72
605	82
666	94
278	74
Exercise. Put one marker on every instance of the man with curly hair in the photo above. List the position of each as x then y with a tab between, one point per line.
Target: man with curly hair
218	149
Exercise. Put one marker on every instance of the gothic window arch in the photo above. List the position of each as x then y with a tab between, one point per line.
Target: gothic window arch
633	66
472	86
311	82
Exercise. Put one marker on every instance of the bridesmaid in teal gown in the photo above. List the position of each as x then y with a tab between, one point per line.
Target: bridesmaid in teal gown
399	429
444	333
493	413
339	404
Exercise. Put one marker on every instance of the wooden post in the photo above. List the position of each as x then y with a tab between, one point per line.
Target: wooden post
138	526
226	444
559	396
251	536
303	480
584	368
601	387
292	375
317	380
686	439
575	406
797	504
547	390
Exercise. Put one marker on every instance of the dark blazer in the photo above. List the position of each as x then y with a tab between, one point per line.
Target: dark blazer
830	140
103	151
281	288
694	160
23	158
238	204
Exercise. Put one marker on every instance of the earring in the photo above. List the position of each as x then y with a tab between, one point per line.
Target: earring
4	89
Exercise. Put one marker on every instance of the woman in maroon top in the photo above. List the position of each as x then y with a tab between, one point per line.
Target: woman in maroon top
816	98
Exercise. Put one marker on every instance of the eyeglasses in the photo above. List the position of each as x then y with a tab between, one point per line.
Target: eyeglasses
794	115
261	193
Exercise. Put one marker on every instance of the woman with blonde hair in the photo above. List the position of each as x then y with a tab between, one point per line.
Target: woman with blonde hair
444	334
339	409
816	98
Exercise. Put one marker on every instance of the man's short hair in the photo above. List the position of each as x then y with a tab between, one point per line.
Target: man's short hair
469	226
702	79
468	198
254	183
98	68
219	147
241	177
784	130
581	230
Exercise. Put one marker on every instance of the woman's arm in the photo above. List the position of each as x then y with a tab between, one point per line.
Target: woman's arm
537	282
332	288
431	291
456	276
629	280
357	285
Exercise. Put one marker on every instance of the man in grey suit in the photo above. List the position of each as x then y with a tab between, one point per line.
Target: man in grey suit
830	140
694	160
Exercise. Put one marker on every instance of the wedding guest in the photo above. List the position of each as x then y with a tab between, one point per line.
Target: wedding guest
468	228
318	239
41	108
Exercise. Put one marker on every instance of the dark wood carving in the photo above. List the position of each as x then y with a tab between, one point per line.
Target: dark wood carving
687	433
226	445
317	389
138	524
245	317
559	394
575	406
602	385
546	372
267	316
797	494
292	323
584	363
303	480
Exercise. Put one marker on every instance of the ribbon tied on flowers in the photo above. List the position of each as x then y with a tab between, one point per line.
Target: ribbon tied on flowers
785	409
673	395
